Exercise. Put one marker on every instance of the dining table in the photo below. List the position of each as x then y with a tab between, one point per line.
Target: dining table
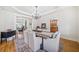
43	35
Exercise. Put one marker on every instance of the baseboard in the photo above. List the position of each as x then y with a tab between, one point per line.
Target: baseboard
70	39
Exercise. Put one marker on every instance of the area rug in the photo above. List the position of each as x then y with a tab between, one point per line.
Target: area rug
21	46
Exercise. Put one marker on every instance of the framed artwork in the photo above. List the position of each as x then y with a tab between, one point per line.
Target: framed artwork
43	25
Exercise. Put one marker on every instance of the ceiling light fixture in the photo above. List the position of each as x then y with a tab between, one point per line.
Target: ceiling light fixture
36	14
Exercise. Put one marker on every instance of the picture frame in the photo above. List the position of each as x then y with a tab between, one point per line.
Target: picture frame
43	25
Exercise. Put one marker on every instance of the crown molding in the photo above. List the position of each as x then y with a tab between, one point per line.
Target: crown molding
21	12
52	11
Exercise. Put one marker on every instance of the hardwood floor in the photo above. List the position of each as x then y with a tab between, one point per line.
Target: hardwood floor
7	47
69	46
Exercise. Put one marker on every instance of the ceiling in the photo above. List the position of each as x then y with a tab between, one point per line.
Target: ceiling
29	10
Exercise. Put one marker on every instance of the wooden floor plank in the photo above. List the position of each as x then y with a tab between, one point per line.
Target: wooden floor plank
70	46
8	47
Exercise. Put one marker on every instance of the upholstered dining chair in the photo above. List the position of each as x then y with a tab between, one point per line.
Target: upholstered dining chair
34	42
52	44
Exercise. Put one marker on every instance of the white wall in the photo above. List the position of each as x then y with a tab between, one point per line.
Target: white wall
38	22
77	21
7	20
68	22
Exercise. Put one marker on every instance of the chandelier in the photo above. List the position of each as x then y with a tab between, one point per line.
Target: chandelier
36	14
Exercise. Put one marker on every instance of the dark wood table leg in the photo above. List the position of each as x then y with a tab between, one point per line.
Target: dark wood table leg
42	44
1	40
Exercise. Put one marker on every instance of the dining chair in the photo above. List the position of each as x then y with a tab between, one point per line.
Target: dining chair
34	42
52	44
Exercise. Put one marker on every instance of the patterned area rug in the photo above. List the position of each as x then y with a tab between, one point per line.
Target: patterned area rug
21	46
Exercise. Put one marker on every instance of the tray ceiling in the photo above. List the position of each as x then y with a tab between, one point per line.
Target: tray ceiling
29	10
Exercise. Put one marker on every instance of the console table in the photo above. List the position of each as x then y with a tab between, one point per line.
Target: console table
7	34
